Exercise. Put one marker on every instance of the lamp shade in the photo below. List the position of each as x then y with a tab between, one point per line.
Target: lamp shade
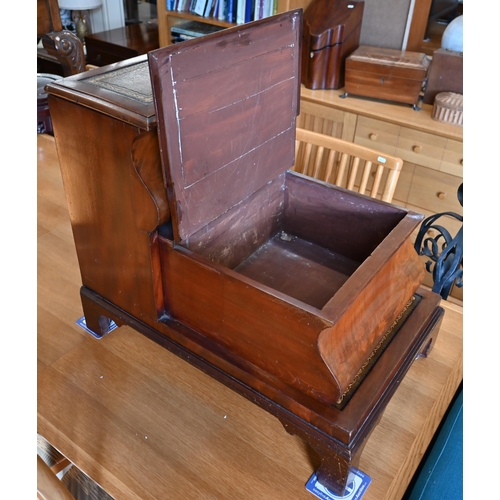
79	4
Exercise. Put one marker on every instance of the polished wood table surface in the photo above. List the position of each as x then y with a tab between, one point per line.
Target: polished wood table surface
146	425
122	43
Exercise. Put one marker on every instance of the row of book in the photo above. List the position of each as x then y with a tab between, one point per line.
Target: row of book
191	29
233	11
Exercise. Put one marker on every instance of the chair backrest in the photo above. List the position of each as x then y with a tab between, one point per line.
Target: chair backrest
347	164
48	17
64	45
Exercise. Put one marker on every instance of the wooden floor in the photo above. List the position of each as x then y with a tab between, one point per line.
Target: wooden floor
146	425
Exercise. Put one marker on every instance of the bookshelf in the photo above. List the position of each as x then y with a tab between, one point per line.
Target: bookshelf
168	18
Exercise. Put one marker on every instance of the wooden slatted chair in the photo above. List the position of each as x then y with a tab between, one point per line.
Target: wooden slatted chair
347	164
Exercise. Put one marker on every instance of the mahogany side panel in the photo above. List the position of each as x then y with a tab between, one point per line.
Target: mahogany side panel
145	155
111	207
345	346
249	320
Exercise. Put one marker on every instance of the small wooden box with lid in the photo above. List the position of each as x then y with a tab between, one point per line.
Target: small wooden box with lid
387	74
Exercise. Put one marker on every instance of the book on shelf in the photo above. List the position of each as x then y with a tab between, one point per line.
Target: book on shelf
221	15
231	15
192	29
231	11
249	8
199	7
209	8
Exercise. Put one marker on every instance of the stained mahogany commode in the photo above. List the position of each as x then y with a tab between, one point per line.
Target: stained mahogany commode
190	228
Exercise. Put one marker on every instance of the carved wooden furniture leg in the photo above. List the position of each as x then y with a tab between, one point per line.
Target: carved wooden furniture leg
335	461
95	320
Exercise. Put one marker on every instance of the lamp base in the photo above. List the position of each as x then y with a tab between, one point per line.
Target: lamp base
82	24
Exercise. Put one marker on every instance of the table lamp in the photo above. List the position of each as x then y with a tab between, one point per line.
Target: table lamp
80	14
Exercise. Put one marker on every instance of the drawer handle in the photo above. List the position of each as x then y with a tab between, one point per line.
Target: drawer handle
441	195
373	137
461	161
417	149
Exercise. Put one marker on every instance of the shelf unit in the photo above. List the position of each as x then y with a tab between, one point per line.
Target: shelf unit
169	18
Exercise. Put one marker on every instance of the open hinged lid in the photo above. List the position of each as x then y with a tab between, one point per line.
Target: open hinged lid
328	23
226	106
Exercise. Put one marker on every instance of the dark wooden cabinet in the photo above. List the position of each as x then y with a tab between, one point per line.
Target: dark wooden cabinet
332	30
123	43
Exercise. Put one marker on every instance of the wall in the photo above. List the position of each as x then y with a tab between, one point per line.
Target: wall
384	23
107	17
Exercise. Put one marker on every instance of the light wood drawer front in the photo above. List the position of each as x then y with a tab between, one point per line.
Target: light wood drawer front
434	191
420	148
377	134
453	158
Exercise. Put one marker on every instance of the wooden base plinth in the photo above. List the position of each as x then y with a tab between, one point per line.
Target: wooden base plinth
337	436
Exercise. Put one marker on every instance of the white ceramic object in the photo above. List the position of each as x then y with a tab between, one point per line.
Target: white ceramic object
453	36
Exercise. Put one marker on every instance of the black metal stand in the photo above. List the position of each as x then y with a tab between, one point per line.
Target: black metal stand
445	251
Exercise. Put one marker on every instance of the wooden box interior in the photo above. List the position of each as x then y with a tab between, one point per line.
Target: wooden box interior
299	237
277	269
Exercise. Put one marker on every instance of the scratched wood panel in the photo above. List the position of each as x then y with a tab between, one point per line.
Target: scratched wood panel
228	186
238	233
226	122
226	85
233	46
252	122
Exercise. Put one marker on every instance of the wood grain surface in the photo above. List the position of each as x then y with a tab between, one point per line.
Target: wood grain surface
146	425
